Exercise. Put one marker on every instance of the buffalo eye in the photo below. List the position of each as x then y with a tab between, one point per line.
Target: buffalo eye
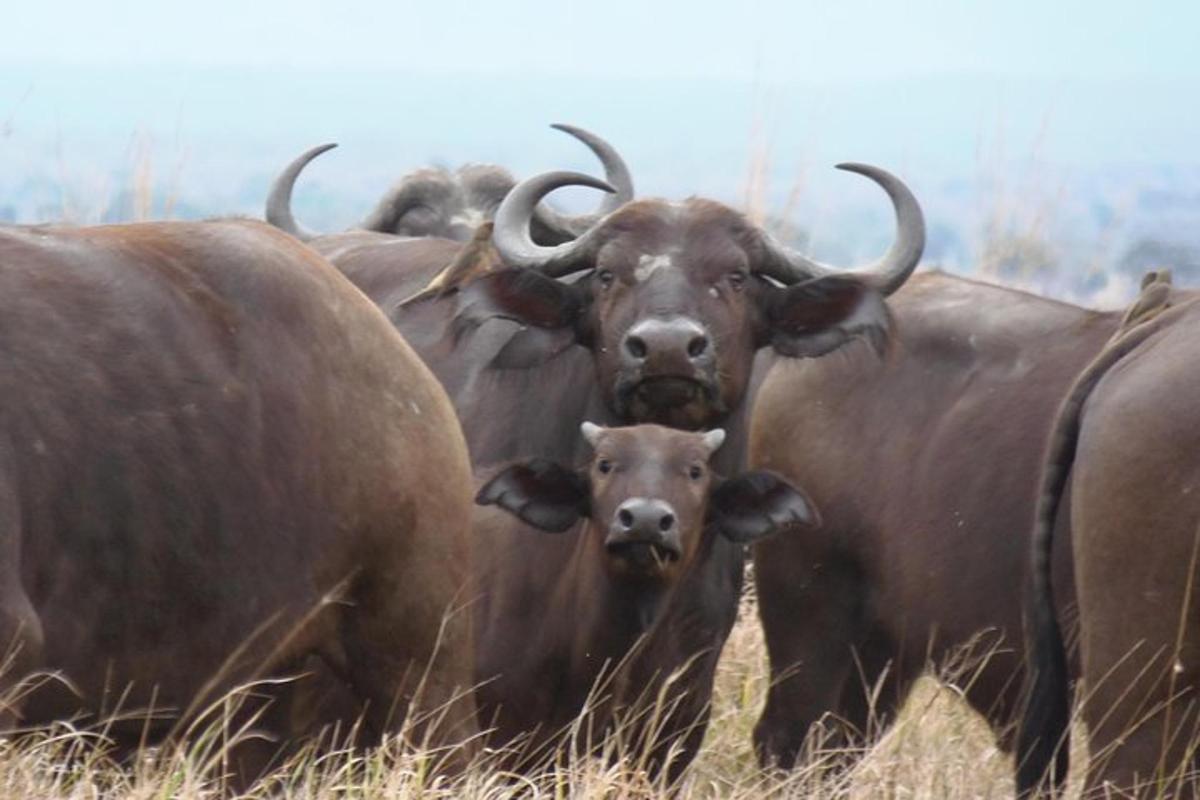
695	472
605	277
736	279
604	465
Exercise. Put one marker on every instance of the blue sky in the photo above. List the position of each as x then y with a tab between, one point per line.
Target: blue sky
808	41
1070	113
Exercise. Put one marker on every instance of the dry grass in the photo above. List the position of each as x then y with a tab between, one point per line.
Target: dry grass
138	190
937	749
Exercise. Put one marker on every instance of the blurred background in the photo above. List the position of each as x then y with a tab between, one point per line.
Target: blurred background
1053	146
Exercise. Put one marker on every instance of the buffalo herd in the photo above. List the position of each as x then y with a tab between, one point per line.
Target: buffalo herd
477	469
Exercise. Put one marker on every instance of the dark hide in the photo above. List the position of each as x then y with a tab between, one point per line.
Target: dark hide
507	335
218	460
527	358
437	203
1126	444
924	467
560	612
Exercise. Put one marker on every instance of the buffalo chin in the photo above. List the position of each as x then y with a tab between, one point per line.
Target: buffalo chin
670	401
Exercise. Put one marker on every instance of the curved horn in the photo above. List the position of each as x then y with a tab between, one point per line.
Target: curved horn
888	273
592	432
279	201
616	172
512	238
714	439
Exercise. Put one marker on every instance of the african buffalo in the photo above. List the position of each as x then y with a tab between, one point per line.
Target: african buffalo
655	314
1127	444
450	205
924	466
597	608
218	459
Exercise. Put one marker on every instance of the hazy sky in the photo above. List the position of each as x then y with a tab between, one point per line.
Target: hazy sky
1079	98
826	41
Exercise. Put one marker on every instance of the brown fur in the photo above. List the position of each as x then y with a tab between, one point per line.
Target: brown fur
925	470
470	340
617	626
526	357
1127	435
216	460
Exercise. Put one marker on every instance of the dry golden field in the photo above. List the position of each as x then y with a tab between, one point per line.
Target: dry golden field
938	749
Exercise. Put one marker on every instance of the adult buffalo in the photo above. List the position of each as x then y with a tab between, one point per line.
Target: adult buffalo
655	314
924	466
218	459
613	636
1127	441
450	205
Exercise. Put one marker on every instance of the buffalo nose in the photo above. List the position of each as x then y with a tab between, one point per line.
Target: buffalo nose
644	519
645	532
667	338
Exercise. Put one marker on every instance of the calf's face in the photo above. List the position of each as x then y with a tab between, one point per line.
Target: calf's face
648	498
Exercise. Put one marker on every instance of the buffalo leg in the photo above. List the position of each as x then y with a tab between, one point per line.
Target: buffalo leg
875	688
811	620
1140	739
1140	702
689	746
687	719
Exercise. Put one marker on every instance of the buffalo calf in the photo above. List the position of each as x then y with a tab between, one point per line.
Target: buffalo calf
623	594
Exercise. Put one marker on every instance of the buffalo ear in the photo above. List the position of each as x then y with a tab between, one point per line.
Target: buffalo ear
522	295
757	504
549	308
813	318
542	493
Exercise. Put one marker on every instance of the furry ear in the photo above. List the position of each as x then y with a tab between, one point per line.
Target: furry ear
550	308
523	295
757	504
813	318
542	493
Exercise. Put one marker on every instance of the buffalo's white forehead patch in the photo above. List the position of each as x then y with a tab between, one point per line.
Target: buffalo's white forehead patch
648	265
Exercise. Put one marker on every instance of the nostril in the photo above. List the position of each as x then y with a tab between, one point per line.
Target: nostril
635	346
667	522
625	517
697	346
